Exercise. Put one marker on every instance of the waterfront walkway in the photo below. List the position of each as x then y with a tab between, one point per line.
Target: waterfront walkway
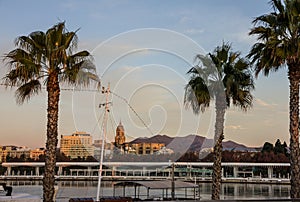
246	200
190	171
249	200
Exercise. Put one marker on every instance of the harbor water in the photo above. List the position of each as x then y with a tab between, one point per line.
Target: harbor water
81	189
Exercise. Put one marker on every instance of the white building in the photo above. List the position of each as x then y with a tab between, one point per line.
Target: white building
108	149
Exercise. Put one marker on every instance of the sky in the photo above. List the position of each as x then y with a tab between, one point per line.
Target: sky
142	49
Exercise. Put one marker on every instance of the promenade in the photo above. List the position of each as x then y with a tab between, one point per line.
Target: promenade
253	200
115	171
196	173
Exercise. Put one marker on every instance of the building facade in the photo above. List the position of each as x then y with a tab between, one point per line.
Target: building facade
120	136
108	149
36	153
77	145
143	148
22	153
17	152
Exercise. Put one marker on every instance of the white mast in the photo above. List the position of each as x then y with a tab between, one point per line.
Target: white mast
106	106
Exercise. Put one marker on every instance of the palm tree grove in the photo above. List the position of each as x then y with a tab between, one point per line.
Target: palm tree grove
223	80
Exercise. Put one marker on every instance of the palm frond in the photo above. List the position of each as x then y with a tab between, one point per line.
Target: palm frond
81	73
23	67
197	95
70	41
27	90
278	36
34	43
277	5
39	54
234	75
225	75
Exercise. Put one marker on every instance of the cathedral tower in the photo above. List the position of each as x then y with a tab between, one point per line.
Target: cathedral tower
120	136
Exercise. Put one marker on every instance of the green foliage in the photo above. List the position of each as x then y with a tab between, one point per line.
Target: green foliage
278	46
40	54
268	147
279	148
221	74
48	58
225	77
278	37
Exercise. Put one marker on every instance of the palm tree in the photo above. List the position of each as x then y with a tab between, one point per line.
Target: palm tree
278	46
222	76
48	58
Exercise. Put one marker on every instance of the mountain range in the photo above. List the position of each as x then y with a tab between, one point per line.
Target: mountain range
191	143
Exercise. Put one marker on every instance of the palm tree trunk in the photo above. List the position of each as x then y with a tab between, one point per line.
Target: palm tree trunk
53	90
294	76
219	136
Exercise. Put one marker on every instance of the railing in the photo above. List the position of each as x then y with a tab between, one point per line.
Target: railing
141	170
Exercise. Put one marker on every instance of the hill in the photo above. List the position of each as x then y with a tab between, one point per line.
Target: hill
190	143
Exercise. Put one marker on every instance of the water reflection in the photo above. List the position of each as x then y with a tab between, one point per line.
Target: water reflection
73	189
239	191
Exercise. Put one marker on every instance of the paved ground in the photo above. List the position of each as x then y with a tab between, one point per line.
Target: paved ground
264	200
256	200
252	200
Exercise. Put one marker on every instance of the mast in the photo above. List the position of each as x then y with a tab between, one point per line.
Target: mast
106	106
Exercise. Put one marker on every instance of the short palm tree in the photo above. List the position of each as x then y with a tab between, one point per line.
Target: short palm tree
278	46
48	58
225	77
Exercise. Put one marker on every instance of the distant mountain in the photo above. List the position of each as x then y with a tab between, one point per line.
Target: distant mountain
155	139
190	143
231	145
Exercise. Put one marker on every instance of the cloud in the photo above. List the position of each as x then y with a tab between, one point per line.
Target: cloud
70	5
235	127
263	103
184	20
193	31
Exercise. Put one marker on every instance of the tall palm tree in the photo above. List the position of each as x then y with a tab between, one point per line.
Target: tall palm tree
49	58
278	46
222	76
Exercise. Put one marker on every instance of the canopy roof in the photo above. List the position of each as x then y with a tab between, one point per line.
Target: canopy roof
163	184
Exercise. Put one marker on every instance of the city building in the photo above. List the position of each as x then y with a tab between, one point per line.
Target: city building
77	145
17	152
120	136
2	157
108	149
36	153
165	151
143	148
134	148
